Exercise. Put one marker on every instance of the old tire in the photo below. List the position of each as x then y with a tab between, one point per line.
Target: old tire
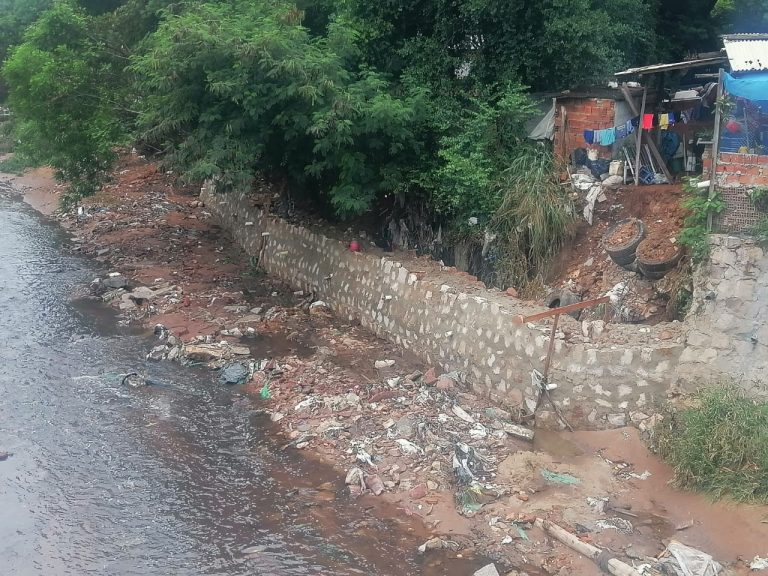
624	254
563	297
657	269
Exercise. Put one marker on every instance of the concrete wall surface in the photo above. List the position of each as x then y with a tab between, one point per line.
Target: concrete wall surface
605	375
727	329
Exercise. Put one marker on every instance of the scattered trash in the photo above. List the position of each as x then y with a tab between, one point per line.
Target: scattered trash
758	563
437	544
489	570
134	380
277	416
609	564
523	534
409	448
597	504
618	524
319	307
550	476
478	431
5	455
644	476
383	364
235	373
466	464
306	404
518	431
355	476
264	393
460	413
507	540
687	561
363	456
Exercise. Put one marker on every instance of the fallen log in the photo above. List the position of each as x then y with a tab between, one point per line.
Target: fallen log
600	557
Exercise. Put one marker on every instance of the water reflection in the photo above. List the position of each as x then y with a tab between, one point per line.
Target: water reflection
183	478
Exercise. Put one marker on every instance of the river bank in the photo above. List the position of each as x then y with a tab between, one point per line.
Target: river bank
334	402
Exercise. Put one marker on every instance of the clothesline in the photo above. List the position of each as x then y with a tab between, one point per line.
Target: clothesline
607	136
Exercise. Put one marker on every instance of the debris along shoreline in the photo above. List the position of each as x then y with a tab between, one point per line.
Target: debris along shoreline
392	427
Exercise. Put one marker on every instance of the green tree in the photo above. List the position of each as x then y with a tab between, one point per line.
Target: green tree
65	96
232	89
741	15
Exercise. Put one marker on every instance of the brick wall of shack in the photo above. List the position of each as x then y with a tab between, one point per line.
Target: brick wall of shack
582	114
603	378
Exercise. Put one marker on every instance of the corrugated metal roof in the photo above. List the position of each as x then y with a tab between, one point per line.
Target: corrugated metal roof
747	52
685	65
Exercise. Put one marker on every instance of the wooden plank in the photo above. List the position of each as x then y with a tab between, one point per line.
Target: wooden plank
715	144
520	319
612	565
639	144
663	165
651	144
630	99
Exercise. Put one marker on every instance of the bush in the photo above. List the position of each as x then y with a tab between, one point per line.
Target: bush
719	445
535	216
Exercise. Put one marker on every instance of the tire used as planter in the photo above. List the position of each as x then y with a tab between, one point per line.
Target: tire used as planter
623	253
654	266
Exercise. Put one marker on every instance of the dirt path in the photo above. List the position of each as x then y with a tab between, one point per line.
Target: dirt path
332	401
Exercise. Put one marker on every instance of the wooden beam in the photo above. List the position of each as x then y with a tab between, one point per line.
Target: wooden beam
612	565
639	143
651	144
660	160
715	143
520	319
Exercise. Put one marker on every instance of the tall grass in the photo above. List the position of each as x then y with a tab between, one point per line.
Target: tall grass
718	446
535	216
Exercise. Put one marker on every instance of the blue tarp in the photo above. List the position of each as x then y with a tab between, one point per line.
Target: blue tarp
753	87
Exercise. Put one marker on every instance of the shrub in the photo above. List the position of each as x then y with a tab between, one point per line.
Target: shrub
719	445
535	216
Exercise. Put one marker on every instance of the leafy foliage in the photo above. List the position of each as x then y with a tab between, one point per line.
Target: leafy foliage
535	216
701	208
65	98
239	87
742	15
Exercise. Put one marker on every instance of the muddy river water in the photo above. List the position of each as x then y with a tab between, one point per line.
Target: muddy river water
182	478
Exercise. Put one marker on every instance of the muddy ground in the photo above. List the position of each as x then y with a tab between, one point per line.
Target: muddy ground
586	269
332	402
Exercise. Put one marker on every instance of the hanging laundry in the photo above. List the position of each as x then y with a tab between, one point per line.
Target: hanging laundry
631	125
589	136
607	136
672	118
663	121
621	132
599	137
647	121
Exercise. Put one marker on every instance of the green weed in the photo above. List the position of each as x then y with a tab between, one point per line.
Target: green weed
15	164
719	445
535	215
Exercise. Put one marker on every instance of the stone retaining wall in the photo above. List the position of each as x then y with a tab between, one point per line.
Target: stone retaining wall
603	377
727	334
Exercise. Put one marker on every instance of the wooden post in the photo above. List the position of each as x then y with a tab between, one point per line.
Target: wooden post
639	137
715	143
613	565
551	347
